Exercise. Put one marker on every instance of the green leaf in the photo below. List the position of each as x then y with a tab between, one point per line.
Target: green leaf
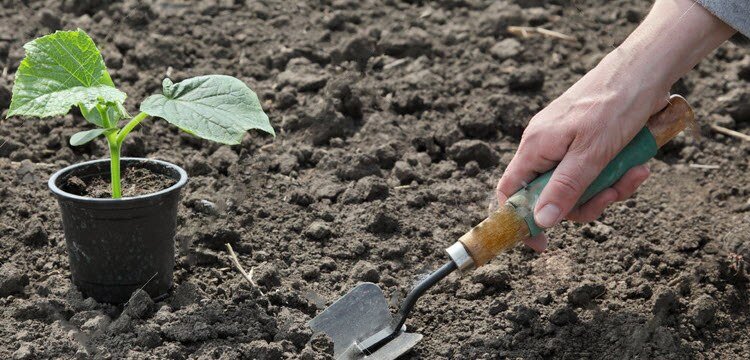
215	107
92	115
83	137
61	70
115	112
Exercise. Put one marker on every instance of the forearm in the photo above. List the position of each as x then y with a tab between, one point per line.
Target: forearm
670	41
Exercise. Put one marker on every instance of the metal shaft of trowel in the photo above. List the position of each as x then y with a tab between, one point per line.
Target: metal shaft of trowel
385	335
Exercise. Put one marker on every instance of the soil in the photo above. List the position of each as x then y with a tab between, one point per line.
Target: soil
133	182
394	121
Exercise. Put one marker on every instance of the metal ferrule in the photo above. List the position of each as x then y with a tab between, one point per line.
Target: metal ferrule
460	256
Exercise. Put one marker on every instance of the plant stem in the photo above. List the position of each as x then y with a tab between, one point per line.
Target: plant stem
114	154
102	109
115	141
129	127
114	167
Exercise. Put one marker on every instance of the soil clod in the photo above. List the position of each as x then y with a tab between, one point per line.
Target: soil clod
563	316
584	294
12	280
140	305
704	311
492	275
365	271
318	231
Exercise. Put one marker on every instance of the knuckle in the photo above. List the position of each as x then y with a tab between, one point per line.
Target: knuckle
593	151
530	136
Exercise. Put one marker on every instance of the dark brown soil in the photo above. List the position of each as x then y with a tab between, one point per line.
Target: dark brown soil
394	121
134	182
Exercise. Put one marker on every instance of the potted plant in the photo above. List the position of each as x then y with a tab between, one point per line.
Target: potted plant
125	241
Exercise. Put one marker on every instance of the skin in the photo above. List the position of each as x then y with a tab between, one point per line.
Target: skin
584	128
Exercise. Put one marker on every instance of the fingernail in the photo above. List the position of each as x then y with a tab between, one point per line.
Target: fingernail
548	216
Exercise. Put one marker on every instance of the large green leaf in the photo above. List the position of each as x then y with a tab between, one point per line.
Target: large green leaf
61	70
215	107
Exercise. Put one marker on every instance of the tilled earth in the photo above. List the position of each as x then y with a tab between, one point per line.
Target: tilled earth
394	121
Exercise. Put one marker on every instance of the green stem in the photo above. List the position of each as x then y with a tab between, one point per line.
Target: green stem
129	127
114	157
115	141
102	109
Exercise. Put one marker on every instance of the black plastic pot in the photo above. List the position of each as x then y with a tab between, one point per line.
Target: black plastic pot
117	246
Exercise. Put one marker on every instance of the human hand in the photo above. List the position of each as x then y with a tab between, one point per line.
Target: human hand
583	129
580	132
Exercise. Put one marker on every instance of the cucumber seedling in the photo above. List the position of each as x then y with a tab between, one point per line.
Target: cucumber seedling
66	69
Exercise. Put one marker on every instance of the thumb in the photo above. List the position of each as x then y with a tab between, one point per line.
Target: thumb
568	182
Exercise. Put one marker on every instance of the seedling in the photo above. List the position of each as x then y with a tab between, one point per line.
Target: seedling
65	69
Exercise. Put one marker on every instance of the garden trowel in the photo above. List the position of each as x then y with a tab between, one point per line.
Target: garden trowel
360	323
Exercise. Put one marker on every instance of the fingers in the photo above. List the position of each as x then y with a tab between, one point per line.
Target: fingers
536	154
515	175
621	190
568	182
592	209
538	242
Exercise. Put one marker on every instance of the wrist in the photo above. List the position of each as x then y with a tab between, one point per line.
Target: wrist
638	77
622	82
672	39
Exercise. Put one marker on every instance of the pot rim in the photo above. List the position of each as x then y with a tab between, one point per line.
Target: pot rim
51	183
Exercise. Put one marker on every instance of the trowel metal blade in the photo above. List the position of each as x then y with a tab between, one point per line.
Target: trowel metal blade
359	314
396	347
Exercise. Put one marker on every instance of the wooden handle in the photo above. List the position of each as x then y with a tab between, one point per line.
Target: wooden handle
514	222
672	120
500	231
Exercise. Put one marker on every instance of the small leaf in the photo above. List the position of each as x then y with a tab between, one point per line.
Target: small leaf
59	71
214	107
91	115
115	112
83	137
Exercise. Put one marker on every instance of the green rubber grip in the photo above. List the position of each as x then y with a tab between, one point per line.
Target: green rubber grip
642	148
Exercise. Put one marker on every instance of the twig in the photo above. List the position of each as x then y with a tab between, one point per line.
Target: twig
730	132
555	34
404	187
266	147
248	277
707	167
395	63
525	31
